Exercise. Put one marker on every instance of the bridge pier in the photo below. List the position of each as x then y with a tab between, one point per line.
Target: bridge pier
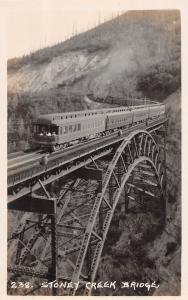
54	249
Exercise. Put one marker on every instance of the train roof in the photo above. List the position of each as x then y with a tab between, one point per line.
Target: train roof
76	114
55	117
89	112
47	121
102	110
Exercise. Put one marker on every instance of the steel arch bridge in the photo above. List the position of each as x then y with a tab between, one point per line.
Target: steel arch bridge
65	245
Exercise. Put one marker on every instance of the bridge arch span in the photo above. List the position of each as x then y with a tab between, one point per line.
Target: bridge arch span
137	153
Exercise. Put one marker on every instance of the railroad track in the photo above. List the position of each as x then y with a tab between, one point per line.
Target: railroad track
20	159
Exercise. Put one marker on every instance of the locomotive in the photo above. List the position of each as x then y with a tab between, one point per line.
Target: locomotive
60	130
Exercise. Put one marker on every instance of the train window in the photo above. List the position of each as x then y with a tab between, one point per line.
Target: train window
79	126
60	131
66	129
70	128
74	127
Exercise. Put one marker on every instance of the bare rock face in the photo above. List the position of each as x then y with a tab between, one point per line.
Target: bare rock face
64	70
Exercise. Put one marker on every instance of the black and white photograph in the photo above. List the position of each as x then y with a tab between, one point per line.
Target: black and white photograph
93	149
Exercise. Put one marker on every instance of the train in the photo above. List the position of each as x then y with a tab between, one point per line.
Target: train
60	130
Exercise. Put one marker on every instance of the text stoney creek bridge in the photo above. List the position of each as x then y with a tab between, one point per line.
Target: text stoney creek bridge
69	204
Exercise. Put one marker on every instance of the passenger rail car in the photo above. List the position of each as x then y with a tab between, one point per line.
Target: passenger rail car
55	131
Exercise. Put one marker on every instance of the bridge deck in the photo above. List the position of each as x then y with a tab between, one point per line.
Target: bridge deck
69	159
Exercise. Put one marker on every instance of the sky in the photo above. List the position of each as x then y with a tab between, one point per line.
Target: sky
31	25
28	25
